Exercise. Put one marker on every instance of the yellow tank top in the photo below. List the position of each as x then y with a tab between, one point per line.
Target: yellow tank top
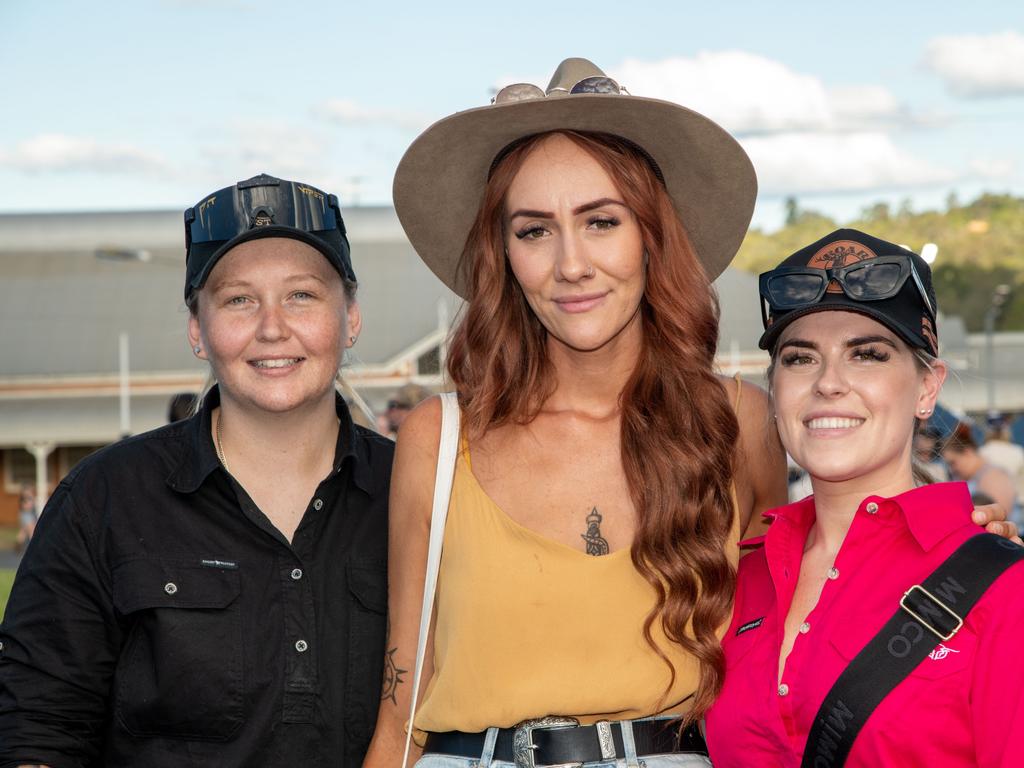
528	627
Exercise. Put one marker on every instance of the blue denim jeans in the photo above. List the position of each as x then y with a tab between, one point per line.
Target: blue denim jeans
631	760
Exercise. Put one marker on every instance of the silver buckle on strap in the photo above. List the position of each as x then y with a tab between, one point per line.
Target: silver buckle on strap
522	739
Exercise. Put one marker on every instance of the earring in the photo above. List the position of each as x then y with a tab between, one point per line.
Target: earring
925	411
196	350
351	339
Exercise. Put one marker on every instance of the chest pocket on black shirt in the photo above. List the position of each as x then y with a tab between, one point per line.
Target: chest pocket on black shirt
180	670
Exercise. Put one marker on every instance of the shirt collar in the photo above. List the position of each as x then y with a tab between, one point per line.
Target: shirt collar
934	511
931	512
199	457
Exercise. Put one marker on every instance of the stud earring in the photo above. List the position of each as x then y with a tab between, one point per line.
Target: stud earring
351	339
925	411
196	350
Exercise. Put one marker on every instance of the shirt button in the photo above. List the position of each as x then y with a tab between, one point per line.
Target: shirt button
301	646
296	573
783	690
318	504
871	508
171	588
833	573
805	628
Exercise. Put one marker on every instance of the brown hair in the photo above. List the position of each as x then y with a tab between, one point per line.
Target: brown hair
960	440
678	429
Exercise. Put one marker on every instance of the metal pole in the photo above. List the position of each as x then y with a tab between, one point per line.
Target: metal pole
126	416
990	358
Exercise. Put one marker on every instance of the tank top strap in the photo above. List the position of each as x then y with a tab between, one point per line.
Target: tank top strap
739	392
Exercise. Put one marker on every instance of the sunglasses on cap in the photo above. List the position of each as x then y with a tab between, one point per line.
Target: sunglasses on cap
259	202
527	91
788	288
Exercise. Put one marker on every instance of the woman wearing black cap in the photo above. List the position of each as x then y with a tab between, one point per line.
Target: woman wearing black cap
213	592
856	638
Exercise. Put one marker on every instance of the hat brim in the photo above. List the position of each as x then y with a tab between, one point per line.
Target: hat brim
770	337
210	259
441	178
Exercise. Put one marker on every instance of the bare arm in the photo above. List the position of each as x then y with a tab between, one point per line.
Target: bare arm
412	484
760	459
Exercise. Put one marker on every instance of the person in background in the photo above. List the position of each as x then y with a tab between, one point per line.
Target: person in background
1000	451
927	455
27	517
850	326
213	593
406	397
181	406
987	482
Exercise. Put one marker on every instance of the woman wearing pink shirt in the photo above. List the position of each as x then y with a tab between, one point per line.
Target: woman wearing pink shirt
851	328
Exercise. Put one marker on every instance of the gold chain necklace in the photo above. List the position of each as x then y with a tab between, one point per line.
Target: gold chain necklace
219	440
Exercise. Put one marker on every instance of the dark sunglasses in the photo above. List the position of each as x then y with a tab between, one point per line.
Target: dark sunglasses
787	288
259	202
526	91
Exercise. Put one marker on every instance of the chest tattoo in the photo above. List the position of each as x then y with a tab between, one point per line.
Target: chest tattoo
596	543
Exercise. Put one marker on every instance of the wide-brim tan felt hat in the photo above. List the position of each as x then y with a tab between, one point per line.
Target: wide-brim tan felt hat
440	180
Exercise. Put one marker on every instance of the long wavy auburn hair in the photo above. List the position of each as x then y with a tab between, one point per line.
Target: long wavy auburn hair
678	429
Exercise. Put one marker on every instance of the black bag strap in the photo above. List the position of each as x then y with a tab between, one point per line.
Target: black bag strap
929	613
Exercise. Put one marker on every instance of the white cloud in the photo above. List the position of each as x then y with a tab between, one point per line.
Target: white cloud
975	66
349	112
808	163
993	168
50	152
751	94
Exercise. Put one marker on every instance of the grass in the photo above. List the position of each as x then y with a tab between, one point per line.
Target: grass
6	580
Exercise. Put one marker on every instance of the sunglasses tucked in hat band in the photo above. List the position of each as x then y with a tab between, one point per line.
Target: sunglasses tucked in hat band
262	206
440	181
849	270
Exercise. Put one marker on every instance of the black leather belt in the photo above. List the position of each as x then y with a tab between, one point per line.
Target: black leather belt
537	744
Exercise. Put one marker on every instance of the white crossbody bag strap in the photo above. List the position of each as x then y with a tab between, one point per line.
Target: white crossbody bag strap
447	453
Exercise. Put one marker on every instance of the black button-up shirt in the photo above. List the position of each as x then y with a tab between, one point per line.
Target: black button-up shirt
160	619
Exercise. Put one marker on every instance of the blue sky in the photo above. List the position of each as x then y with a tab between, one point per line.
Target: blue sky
153	103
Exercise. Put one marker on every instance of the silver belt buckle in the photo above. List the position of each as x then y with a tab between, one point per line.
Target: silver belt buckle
522	740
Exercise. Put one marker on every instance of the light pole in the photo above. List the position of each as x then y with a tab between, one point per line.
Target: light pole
999	298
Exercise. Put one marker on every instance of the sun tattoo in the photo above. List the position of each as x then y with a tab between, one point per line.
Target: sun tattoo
392	677
392	674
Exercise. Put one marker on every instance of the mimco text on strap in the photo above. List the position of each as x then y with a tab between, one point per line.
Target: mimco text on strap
929	613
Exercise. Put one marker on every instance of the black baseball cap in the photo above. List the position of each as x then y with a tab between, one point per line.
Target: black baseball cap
855	272
263	206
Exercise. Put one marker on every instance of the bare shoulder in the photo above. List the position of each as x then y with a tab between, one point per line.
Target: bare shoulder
752	400
760	462
412	477
422	428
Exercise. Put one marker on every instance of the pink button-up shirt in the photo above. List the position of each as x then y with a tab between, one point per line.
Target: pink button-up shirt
962	706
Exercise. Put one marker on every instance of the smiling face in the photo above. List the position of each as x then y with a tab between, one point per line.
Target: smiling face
273	321
846	392
574	247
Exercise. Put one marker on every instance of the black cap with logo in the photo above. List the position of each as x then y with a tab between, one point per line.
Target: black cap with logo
262	206
855	272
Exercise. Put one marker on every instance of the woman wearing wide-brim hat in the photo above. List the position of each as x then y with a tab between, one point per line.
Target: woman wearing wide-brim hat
605	471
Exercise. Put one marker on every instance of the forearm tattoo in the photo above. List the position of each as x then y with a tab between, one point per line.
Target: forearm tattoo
596	543
392	674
